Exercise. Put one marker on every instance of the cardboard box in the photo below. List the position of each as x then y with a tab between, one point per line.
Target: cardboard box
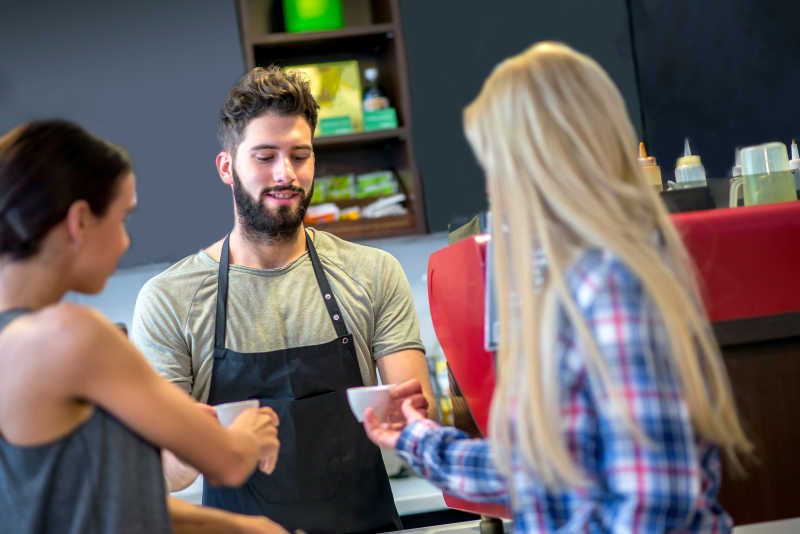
337	88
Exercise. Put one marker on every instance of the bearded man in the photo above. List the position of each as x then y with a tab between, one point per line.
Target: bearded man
288	315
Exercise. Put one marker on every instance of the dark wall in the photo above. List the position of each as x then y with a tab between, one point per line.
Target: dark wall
454	44
149	75
725	74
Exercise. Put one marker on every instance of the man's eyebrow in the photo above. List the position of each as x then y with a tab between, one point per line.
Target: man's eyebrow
276	147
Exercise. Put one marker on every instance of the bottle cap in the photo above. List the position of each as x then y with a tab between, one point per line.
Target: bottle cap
736	170
371	74
644	159
688	159
765	158
794	163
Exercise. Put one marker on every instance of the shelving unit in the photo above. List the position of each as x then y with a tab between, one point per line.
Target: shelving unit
372	35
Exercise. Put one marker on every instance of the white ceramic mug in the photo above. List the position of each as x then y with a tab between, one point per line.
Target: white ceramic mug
226	413
363	397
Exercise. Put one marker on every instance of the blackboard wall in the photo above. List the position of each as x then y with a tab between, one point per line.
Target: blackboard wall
725	74
151	75
453	46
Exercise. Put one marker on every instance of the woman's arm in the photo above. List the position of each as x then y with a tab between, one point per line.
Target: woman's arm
190	519
449	459
443	455
96	362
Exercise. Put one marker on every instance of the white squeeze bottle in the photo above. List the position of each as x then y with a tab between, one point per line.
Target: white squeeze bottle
689	170
794	165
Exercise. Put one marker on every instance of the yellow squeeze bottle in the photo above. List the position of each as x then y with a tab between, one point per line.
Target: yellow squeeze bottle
650	168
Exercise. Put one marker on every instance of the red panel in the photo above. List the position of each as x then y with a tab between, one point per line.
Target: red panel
747	258
456	281
492	510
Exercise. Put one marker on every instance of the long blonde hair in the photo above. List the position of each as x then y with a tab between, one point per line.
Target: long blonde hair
551	131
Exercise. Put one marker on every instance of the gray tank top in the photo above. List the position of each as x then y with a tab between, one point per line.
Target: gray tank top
100	478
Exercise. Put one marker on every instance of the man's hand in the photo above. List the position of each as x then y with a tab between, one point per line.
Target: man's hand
385	434
252	524
412	390
190	519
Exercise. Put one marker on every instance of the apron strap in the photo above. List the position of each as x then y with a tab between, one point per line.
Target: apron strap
222	293
325	289
222	296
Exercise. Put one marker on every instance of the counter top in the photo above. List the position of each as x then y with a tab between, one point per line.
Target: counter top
414	495
465	527
786	526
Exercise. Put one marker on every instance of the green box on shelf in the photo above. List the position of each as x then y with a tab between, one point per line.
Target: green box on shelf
374	184
312	15
341	187
321	185
335	126
382	119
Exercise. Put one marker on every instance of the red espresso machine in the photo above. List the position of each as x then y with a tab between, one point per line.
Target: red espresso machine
456	295
748	265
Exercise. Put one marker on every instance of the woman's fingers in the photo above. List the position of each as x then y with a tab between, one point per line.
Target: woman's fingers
411	412
380	432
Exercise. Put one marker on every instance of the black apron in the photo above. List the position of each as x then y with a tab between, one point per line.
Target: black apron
329	477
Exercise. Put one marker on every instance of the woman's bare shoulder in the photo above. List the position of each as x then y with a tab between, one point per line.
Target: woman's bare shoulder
63	330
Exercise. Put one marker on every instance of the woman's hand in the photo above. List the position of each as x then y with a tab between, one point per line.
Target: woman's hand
385	434
412	390
261	426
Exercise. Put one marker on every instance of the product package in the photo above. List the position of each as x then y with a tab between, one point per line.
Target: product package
374	184
341	187
336	86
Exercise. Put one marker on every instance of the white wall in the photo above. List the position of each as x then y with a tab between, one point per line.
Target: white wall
119	296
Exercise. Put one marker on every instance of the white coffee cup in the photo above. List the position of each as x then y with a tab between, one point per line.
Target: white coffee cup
229	411
363	397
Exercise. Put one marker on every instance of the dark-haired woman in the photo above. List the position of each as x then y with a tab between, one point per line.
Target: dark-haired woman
82	415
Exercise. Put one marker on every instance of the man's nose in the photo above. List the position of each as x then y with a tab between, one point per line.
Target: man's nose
284	171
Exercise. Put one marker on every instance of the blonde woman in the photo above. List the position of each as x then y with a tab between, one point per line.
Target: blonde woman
612	401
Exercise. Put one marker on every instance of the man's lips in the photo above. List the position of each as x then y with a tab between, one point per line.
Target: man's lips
283	194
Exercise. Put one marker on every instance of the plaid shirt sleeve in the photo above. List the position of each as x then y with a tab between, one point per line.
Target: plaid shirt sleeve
646	487
449	459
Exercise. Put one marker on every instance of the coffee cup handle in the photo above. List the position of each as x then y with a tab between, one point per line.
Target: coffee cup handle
736	184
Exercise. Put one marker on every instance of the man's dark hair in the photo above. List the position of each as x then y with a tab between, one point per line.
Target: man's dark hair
45	166
260	91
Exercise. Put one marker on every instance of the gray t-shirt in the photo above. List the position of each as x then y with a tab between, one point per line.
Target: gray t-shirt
272	309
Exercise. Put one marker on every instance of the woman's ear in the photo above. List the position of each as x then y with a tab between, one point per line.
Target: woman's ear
78	218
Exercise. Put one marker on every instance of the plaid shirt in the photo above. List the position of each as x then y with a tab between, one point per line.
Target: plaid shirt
668	485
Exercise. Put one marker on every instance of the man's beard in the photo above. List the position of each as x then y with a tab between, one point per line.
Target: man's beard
259	222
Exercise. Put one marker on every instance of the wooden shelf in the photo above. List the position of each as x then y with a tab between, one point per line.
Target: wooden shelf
360	137
280	39
371	228
373	36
